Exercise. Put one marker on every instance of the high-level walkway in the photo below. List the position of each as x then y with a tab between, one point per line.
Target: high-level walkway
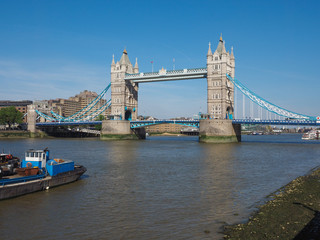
164	75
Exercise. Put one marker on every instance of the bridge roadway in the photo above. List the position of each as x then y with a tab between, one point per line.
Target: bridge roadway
191	123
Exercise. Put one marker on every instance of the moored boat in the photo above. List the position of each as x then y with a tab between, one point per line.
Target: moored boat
38	172
8	163
313	134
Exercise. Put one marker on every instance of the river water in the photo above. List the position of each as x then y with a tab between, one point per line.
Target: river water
159	188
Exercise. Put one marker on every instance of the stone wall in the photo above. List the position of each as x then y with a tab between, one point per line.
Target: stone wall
219	131
120	129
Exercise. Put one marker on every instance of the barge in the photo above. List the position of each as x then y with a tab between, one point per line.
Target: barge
38	172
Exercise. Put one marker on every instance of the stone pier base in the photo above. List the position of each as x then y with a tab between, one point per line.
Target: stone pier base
31	119
219	131
120	130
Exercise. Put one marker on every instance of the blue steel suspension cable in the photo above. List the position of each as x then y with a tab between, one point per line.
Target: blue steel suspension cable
45	116
93	102
98	111
266	104
93	105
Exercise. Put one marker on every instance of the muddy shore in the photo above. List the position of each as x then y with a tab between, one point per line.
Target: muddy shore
292	213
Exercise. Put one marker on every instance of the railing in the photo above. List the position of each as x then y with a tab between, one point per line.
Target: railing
144	123
190	123
167	73
277	122
74	123
21	180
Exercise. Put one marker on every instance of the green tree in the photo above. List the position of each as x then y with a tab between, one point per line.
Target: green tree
99	118
10	115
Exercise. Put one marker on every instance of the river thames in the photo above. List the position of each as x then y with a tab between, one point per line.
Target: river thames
158	188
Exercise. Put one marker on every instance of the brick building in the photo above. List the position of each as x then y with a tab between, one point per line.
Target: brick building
21	106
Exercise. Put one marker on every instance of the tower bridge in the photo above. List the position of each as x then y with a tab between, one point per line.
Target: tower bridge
220	124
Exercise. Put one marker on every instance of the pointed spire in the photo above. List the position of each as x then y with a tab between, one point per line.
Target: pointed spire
209	50
221	48
136	65
113	63
124	58
224	47
232	56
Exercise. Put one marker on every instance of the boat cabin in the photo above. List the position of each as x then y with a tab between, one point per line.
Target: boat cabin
35	158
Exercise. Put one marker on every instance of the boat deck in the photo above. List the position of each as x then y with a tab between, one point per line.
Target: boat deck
17	179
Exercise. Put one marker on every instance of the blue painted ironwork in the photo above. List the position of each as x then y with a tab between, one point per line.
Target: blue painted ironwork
268	105
190	123
85	110
195	123
45	116
295	122
74	123
170	75
85	114
144	123
97	112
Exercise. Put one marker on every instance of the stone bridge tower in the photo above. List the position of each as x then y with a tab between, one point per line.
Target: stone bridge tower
124	94
220	91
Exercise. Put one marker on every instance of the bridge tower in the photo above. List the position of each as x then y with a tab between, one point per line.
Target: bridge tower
220	91
124	99
220	98
124	94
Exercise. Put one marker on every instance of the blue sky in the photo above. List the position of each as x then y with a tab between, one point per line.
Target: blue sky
55	49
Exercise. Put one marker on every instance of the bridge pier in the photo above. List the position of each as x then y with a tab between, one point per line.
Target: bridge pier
219	131
120	130
31	120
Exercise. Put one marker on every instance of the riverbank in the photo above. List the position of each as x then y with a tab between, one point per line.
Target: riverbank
21	134
166	134
292	213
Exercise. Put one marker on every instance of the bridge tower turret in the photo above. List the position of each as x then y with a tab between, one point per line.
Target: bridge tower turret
220	91
124	94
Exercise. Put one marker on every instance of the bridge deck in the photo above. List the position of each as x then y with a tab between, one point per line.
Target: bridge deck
192	123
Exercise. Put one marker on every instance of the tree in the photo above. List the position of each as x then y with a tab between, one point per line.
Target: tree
10	115
99	118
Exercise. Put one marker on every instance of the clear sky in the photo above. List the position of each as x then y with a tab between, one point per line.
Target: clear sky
55	49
